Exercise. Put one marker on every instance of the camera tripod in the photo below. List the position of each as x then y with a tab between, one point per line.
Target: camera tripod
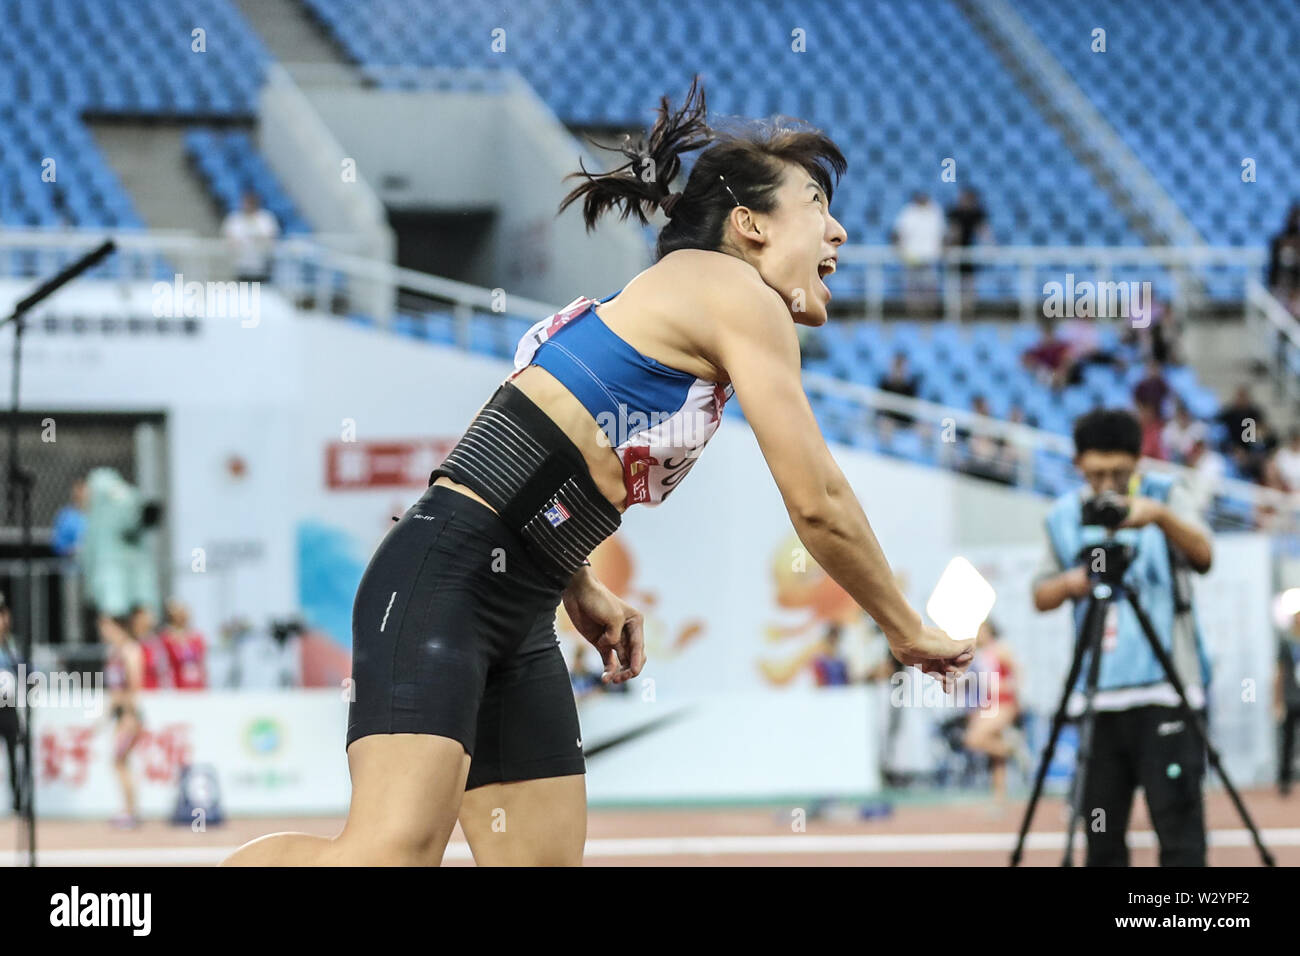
1107	586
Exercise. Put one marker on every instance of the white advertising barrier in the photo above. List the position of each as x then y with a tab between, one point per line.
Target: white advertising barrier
274	753
733	747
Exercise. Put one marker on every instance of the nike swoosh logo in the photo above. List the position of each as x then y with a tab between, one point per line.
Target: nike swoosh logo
636	732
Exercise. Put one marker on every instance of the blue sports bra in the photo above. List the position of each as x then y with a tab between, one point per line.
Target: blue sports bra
656	418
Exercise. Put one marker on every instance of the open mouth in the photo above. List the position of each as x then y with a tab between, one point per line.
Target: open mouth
826	268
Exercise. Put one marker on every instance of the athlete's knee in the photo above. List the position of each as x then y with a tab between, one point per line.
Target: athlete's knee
283	849
405	845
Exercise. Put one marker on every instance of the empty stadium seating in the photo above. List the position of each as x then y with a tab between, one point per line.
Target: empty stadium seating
898	99
63	60
1194	89
229	163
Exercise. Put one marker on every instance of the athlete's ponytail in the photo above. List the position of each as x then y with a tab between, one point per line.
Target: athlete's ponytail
742	166
642	183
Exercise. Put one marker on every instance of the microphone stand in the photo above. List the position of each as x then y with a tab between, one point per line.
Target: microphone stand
19	499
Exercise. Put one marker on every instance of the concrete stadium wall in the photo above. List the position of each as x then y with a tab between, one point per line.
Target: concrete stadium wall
482	151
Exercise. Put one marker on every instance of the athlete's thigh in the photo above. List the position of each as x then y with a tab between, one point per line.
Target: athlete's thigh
540	822
406	792
526	796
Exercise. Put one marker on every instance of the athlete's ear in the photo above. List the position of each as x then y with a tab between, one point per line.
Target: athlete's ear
743	220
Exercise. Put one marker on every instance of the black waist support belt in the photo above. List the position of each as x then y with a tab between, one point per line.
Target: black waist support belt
535	478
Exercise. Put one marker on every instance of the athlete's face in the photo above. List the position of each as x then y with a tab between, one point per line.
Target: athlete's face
800	239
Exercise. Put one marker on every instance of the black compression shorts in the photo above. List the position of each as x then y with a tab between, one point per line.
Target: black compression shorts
453	633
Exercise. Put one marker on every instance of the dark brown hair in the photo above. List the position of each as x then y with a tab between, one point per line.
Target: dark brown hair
745	161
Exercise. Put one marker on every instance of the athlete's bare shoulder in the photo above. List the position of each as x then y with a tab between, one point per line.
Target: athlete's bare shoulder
707	295
711	278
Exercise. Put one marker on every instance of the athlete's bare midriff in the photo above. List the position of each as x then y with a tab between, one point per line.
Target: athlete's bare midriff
560	405
642	315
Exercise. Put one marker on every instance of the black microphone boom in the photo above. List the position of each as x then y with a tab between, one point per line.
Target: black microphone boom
21	481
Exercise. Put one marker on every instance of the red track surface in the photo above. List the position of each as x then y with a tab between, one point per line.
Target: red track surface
958	835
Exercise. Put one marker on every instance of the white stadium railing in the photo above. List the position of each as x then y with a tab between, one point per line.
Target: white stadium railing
325	267
315	276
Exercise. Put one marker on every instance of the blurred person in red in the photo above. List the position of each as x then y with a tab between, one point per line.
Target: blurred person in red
1153	390
1049	358
989	725
185	648
1153	427
143	625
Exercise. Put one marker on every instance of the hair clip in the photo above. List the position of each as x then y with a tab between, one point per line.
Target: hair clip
728	188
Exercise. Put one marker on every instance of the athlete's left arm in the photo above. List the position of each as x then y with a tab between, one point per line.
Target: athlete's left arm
1180	523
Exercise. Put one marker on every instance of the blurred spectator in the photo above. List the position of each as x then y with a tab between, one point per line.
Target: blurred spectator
1153	390
1049	358
1017	416
967	222
900	381
1241	418
245	657
118	563
1247	463
1284	261
70	522
185	648
250	232
266	658
1181	432
1286	702
1252	457
157	668
829	667
1284	466
1154	334
1083	338
585	681
1152	429
9	727
988	456
1164	335
918	236
1208	470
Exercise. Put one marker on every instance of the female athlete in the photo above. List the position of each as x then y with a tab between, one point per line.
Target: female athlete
463	707
124	676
